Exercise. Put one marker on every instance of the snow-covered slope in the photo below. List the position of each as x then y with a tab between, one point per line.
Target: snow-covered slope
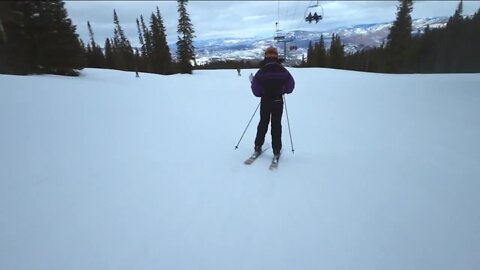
108	171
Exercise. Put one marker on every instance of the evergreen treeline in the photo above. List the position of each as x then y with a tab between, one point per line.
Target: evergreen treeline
154	54
454	48
319	56
38	37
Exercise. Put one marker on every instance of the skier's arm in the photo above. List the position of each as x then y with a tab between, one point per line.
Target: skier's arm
257	87
290	84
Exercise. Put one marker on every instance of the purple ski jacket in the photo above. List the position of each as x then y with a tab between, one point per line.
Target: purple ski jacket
272	80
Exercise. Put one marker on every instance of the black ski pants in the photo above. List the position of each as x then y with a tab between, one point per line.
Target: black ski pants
270	110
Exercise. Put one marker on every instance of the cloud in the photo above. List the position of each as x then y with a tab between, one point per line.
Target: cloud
244	18
253	18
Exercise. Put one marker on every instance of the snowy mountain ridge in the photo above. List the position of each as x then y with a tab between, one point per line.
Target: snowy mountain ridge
355	38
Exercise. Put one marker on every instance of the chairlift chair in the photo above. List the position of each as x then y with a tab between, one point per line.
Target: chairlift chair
314	13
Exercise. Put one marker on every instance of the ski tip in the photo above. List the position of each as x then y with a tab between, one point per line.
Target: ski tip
248	161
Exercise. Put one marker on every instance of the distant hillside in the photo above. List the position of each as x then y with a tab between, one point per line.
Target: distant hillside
354	38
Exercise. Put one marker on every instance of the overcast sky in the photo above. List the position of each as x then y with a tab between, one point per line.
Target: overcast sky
238	19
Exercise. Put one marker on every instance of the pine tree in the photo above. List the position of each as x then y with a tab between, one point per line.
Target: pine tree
5	10
8	14
427	50
166	56
321	53
154	57
160	56
140	36
455	47
90	33
147	36
89	55
399	39
95	57
60	46
337	54
109	55
14	41
46	39
472	62
147	49
185	48
457	16
140	55
123	53
310	55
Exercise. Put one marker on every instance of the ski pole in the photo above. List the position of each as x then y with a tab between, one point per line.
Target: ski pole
288	122
236	147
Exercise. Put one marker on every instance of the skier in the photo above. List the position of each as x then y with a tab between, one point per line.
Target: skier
136	72
270	83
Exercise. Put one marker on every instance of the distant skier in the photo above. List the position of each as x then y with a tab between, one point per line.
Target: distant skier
239	72
270	83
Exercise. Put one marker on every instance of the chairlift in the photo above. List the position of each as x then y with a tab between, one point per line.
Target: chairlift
279	34
314	13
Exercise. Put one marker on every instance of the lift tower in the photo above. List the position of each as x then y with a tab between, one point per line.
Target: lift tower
280	37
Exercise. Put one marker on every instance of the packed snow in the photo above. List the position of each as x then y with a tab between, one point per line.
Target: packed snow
107	171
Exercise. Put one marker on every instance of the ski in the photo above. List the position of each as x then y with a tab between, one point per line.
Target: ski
274	164
254	156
